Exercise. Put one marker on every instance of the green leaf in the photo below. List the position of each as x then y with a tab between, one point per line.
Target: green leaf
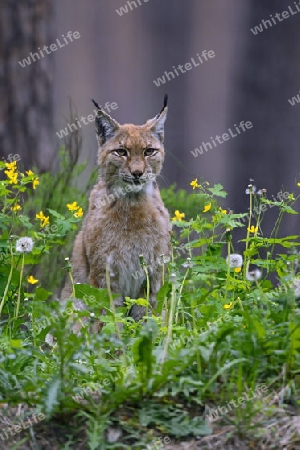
259	329
288	209
164	291
218	191
51	397
223	369
42	294
16	343
56	214
92	295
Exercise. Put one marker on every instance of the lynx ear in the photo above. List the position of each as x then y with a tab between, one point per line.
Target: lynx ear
106	126
158	122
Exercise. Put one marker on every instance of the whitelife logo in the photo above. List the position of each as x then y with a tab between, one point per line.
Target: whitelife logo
292	101
124	9
214	413
265	24
53	47
85	120
244	126
12	430
205	56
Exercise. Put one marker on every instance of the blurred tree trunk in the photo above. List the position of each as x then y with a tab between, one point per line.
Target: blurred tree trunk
215	26
269	152
26	92
167	46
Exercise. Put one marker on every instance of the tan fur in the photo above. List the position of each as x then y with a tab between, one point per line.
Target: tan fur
126	216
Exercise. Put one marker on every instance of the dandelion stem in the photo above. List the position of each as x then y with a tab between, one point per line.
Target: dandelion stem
246	264
112	305
147	287
170	323
195	332
20	286
240	303
228	269
72	284
179	295
8	281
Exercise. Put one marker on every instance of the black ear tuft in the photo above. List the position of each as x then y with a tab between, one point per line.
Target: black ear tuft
165	103
106	126
166	100
160	119
95	103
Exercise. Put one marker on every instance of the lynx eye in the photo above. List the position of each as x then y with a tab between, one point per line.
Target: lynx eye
150	151
120	152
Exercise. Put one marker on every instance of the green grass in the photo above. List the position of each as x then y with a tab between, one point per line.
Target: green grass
217	340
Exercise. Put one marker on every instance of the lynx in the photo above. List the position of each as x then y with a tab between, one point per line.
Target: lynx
126	216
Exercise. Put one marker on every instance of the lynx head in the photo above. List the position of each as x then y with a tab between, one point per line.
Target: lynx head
130	155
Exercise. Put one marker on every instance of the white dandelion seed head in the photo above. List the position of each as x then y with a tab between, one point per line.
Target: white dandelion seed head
296	286
173	277
163	259
250	190
188	263
24	245
254	275
49	339
79	361
235	260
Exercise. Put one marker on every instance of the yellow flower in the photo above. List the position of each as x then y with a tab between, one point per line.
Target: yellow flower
222	211
252	229
44	219
35	183
228	306
178	216
12	175
32	280
207	207
195	184
11	166
16	207
40	215
79	213
237	269
298	184
29	172
72	206
45	222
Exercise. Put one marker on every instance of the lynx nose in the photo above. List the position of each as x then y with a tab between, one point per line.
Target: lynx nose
137	174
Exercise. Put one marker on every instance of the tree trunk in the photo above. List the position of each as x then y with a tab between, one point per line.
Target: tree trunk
26	92
267	76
